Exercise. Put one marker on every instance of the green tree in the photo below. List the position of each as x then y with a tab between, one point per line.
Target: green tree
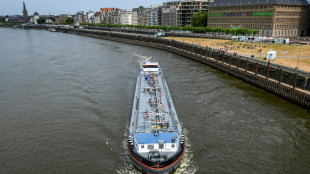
200	19
41	21
69	20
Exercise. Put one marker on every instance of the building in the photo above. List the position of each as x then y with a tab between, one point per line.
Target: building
168	15
115	16
97	18
134	16
139	16
187	9
35	18
89	18
272	18
106	15
80	18
125	17
180	13
25	13
152	16
61	18
17	18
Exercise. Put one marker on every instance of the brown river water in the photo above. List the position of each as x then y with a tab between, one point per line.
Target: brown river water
65	103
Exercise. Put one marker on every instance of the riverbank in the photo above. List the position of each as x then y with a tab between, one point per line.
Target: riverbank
291	84
287	55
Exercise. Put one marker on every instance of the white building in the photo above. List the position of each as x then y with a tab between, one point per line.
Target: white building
134	18
35	18
90	17
97	18
126	17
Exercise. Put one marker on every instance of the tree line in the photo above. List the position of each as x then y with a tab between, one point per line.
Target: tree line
185	28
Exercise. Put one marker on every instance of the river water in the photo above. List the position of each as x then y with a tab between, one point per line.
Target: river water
65	103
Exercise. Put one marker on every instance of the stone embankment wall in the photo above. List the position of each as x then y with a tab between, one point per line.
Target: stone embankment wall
288	83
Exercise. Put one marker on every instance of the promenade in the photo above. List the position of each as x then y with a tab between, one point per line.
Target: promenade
287	55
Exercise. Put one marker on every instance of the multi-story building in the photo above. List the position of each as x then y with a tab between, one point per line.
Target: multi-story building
80	17
62	18
125	17
188	8
134	16
35	18
97	18
106	15
115	16
169	13
180	13
272	18
90	17
17	18
152	16
139	16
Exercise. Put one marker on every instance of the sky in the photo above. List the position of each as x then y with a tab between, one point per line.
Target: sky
56	7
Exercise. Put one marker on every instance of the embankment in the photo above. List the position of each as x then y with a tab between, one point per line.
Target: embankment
288	83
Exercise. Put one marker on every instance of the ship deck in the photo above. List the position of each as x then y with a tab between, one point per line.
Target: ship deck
148	105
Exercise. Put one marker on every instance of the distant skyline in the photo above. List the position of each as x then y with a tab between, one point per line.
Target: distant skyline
56	7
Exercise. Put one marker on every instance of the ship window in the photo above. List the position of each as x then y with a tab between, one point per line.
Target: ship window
150	146
142	146
172	145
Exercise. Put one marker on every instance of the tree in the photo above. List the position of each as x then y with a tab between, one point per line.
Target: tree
69	20
41	21
200	19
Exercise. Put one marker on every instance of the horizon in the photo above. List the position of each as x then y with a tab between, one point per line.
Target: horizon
57	7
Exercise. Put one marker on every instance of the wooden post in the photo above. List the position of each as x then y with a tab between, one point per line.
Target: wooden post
206	51
280	78
247	63
256	68
201	51
218	56
295	78
267	75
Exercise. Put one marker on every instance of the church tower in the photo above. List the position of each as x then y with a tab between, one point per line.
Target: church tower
25	13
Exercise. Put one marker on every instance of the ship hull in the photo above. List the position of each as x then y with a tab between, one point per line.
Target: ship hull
142	164
156	142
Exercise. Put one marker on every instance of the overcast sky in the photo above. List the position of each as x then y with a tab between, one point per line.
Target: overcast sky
56	7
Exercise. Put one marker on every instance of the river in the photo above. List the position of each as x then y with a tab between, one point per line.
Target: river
65	103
